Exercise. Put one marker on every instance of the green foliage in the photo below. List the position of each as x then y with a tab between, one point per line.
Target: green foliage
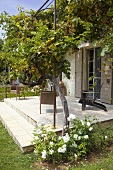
82	139
1	94
1	44
5	91
102	136
27	35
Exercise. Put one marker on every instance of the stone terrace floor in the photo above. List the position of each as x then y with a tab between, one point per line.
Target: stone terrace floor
31	107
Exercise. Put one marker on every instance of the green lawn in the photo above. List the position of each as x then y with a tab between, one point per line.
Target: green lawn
11	158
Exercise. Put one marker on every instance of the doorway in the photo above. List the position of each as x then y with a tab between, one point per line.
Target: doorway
94	71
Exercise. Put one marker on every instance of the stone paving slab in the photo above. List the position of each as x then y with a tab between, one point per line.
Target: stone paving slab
30	110
18	127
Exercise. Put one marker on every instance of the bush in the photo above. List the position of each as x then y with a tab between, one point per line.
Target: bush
80	140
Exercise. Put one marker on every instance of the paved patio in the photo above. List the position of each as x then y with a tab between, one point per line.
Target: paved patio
21	116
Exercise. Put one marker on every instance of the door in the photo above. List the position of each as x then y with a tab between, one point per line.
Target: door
94	71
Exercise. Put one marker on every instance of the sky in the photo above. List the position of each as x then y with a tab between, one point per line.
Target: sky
10	6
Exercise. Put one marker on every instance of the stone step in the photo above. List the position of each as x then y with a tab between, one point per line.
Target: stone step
30	110
18	107
18	127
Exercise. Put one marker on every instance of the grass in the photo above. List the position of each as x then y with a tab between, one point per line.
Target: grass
11	158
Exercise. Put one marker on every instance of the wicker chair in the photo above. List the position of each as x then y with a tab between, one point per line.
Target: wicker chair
46	97
15	89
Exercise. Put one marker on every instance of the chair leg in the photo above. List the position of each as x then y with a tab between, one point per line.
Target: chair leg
16	96
24	94
40	108
83	101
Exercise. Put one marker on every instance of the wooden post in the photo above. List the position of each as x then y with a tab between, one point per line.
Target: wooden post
54	117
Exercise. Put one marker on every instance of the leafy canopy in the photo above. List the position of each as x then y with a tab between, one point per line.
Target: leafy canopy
32	43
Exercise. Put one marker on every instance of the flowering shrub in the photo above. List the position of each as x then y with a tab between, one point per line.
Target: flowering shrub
73	145
102	135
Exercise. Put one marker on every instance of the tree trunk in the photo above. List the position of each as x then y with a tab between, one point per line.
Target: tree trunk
64	103
58	89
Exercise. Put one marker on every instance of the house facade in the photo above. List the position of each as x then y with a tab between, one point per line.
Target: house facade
89	72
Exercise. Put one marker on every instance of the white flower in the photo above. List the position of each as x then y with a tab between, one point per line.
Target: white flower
75	145
75	136
44	154
48	129
82	122
75	155
64	146
35	151
38	131
90	129
80	132
86	137
79	137
66	138
43	135
88	123
69	1
38	125
34	142
60	137
106	137
36	137
45	138
51	143
61	150
51	152
71	117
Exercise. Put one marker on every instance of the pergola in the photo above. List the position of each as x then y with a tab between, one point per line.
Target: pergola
38	11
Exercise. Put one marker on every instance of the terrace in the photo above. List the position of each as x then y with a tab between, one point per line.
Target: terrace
21	116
